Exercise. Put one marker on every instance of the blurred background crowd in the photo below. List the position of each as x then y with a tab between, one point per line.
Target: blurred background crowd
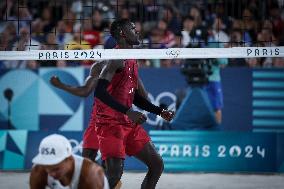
84	24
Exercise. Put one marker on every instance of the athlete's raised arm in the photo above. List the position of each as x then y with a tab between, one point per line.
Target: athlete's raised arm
84	90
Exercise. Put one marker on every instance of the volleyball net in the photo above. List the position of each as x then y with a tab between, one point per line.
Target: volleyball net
171	53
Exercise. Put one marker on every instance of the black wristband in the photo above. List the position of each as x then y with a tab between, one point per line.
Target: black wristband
145	104
105	97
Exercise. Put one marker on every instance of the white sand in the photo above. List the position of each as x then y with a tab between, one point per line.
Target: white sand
132	180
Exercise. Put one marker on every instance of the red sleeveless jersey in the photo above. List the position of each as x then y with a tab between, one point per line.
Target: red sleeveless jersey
121	88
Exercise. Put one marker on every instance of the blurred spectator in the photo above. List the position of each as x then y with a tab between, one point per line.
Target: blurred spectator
254	62
102	41
24	16
50	42
69	19
37	30
178	38
236	38
62	36
77	43
156	39
172	21
195	13
198	37
61	63
188	26
218	10
99	24
25	42
218	32
249	26
155	42
278	62
265	36
8	10
277	21
4	9
47	20
11	34
146	11
77	7
90	35
4	40
168	38
32	64
236	41
124	13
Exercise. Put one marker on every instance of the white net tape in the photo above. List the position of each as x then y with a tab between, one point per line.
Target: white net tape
172	53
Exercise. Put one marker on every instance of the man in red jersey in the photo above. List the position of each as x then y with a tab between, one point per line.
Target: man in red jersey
90	140
118	128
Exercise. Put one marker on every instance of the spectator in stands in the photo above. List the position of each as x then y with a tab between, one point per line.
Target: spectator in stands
78	42
278	62
47	20
69	19
89	34
195	13
188	26
62	35
236	38
173	22
156	42
32	64
4	40
8	10
168	37
61	63
254	62
25	42
50	42
149	14
249	26
266	36
99	24
37	30
277	21
236	41
218	32
11	33
124	13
